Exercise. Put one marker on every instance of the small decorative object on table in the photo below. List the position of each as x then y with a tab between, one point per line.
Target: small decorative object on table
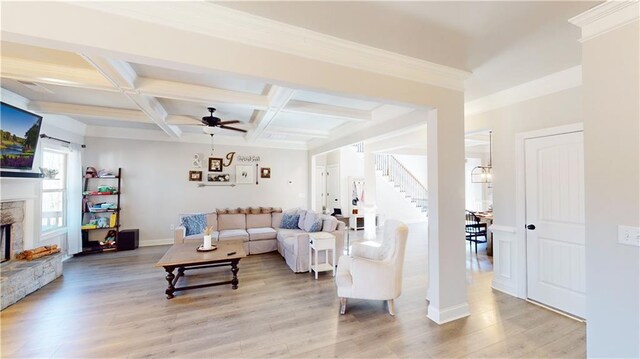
206	246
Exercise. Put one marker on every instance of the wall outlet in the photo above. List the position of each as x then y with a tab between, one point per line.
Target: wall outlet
172	227
629	235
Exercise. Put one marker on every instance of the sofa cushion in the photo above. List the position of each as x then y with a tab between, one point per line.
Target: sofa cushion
231	234
276	219
329	224
283	233
231	221
256	234
312	222
290	221
258	220
194	224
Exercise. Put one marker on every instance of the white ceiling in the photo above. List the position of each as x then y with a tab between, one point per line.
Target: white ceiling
503	43
111	93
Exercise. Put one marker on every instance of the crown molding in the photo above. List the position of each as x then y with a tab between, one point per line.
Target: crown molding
238	26
556	82
606	17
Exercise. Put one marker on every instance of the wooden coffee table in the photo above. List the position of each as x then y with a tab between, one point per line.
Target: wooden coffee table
184	256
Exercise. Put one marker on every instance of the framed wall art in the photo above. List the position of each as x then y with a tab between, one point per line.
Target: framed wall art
195	176
245	174
215	164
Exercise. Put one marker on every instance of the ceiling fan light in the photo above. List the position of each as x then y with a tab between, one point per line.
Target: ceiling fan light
208	130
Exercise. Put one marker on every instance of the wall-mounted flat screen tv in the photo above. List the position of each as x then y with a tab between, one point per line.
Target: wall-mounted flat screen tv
19	134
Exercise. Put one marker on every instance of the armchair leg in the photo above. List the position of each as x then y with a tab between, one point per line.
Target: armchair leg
343	305
391	306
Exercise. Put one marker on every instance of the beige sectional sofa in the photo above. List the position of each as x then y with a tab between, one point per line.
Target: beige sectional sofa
259	230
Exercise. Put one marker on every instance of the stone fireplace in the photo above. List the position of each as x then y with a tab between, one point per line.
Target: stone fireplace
19	278
12	231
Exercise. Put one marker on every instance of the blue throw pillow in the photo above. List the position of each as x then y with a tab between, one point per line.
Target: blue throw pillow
316	226
194	224
289	221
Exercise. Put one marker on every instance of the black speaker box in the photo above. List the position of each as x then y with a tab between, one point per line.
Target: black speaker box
128	239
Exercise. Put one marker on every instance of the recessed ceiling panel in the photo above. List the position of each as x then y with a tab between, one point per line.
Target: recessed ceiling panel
335	100
34	53
73	95
220	81
117	124
198	110
294	120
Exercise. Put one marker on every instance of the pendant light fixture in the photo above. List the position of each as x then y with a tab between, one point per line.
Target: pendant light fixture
483	174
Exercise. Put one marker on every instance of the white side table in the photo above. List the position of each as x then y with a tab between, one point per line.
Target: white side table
322	241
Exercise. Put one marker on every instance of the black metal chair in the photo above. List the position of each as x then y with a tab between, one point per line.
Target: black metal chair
474	229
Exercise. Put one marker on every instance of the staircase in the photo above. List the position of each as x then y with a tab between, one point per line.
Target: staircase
403	181
400	178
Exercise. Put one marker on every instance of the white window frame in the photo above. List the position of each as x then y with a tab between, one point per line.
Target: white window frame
47	234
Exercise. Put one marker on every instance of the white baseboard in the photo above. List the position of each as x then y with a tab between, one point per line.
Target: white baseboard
441	316
156	242
504	288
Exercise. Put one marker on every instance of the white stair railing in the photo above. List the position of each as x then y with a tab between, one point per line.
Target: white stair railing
402	179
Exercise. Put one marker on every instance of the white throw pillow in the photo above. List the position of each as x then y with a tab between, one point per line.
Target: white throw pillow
329	224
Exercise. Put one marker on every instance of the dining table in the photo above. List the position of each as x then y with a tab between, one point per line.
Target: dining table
487	217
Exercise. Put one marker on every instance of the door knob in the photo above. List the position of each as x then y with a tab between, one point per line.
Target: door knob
531	227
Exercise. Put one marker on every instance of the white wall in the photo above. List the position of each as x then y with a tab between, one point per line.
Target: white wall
612	185
155	188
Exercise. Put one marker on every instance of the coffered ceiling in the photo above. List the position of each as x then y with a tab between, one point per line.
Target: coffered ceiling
110	93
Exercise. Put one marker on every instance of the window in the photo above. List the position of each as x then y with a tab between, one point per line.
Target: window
54	190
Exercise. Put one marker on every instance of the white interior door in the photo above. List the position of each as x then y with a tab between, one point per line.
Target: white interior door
555	221
333	187
321	188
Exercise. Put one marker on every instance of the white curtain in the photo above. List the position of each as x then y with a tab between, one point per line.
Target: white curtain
74	199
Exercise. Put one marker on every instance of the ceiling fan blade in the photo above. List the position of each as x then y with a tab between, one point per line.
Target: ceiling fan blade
232	128
229	122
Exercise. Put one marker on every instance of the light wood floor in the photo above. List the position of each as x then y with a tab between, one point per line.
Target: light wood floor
113	306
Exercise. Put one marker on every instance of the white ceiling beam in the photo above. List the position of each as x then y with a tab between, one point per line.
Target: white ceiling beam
200	94
278	97
317	109
111	113
123	77
46	73
119	73
297	132
156	112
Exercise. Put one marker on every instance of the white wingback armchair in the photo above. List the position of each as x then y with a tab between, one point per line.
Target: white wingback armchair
374	273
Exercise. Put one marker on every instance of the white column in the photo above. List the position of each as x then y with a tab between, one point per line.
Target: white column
447	293
611	112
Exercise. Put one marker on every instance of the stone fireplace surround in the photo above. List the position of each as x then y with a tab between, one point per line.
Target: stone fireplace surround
20	278
12	213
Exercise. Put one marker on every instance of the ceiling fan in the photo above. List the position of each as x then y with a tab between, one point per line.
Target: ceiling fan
212	121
